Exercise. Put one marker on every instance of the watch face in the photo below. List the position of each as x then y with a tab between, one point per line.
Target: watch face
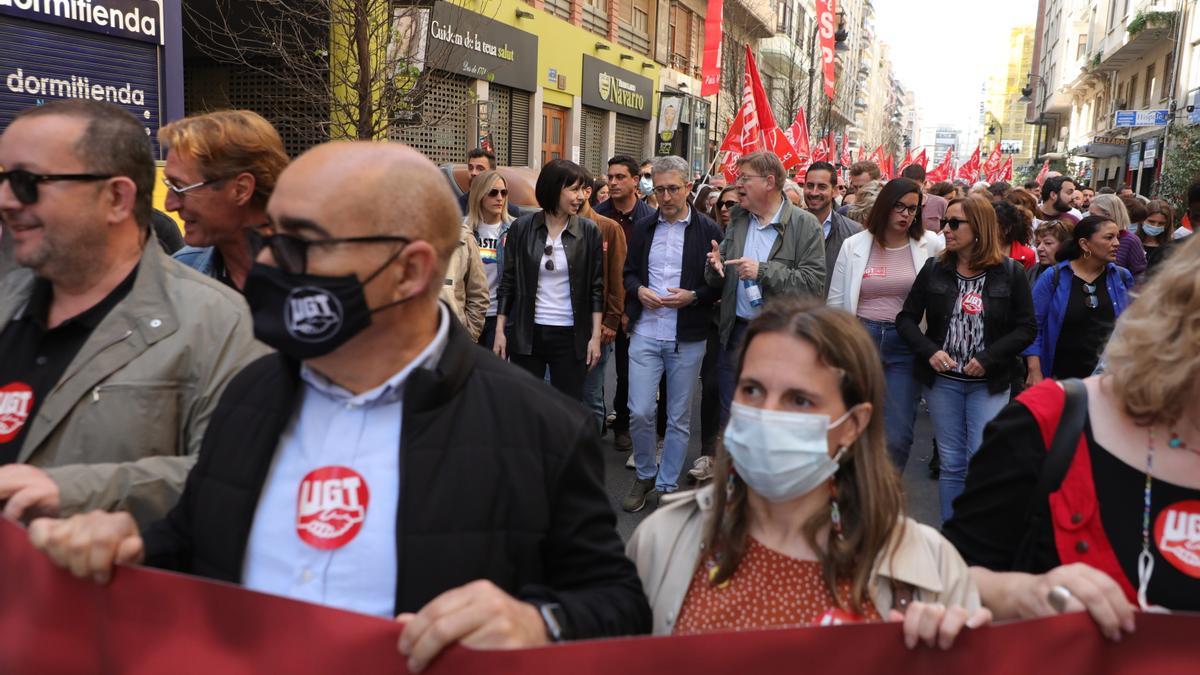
553	615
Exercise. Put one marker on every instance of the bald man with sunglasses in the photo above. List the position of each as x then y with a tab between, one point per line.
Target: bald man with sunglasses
112	356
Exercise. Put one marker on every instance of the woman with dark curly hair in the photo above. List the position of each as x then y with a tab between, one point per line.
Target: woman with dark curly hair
1016	230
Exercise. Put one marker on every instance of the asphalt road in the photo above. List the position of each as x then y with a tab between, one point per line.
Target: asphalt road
920	489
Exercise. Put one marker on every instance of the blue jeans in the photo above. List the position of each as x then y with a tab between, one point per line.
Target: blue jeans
648	360
727	363
959	410
900	400
593	387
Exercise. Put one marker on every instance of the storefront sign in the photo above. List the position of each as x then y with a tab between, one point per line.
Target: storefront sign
1149	153
608	87
1135	154
669	110
1010	147
42	62
471	44
1142	118
132	19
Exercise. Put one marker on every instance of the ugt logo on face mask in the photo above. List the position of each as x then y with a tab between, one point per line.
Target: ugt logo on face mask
311	314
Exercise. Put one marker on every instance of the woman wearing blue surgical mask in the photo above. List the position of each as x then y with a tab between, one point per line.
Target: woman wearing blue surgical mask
1158	232
803	523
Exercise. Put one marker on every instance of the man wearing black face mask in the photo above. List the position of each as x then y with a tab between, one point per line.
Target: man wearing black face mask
382	462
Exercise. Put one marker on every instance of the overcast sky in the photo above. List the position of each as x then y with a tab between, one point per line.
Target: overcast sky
944	50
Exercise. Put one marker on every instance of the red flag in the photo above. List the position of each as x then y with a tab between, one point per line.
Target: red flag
778	143
942	172
710	72
907	160
845	158
877	156
1006	174
921	159
826	10
1041	177
993	165
889	168
970	170
824	150
733	138
762	105
729	167
798	135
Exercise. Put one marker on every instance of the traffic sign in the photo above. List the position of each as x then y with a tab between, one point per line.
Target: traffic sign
1142	118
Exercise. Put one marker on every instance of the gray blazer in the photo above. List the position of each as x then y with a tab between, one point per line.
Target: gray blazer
840	229
796	264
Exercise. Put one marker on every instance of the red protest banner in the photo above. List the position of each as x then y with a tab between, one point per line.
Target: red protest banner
710	71
826	9
150	622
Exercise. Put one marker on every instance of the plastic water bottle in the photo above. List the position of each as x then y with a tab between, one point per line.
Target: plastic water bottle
753	293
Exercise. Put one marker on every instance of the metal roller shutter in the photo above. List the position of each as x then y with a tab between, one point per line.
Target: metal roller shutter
630	138
593	141
442	135
40	62
518	151
501	98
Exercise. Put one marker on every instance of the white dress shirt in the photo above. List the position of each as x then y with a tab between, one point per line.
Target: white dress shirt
324	529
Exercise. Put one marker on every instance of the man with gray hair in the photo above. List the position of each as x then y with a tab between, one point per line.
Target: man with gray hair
669	306
771	247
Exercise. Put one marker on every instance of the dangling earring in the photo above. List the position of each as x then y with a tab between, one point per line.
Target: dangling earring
835	513
730	483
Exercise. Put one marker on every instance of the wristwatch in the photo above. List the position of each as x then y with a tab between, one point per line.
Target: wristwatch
555	619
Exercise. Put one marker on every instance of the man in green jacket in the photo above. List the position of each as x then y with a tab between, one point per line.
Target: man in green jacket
771	248
114	355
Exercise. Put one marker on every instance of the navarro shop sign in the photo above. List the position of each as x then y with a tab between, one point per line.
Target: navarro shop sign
608	87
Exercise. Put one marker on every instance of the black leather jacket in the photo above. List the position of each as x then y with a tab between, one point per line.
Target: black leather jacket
523	255
1009	325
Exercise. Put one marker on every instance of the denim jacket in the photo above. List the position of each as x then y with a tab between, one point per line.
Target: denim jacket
203	260
1050	296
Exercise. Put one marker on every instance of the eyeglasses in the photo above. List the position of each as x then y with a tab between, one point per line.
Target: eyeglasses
953	223
901	207
672	190
25	184
742	178
181	191
291	252
730	203
1090	300
497	192
549	253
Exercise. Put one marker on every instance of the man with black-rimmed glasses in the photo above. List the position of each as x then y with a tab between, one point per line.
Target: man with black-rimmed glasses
113	355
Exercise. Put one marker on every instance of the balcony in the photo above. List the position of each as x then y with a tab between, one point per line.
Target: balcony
1145	29
781	54
757	17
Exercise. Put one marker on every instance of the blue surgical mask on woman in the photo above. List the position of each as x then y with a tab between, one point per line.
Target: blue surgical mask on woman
646	186
781	455
1153	230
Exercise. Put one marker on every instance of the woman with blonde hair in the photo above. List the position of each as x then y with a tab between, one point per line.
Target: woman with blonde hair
803	524
978	311
1081	495
1130	255
488	220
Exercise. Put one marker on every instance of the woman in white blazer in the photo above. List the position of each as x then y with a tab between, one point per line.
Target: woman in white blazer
874	272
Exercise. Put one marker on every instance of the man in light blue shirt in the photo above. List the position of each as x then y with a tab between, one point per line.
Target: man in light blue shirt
670	311
771	248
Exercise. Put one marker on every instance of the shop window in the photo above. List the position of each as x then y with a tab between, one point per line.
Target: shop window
1148	94
595	16
686	28
633	29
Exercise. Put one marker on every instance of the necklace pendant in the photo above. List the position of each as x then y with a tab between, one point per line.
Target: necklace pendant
1176	442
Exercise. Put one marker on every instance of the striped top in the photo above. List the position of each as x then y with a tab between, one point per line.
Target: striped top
886	280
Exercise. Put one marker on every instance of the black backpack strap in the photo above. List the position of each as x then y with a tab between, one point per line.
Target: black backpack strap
1058	460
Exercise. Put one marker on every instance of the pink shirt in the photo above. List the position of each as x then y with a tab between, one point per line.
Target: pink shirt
885	283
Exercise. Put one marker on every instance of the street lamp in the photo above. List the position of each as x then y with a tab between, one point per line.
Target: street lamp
1027	97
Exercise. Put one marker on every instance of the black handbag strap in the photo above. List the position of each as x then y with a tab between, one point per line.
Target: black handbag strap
1061	451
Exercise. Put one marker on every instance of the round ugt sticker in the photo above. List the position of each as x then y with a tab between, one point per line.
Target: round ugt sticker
16	400
1177	535
331	507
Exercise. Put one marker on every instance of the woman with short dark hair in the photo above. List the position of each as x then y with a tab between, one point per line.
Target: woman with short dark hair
551	296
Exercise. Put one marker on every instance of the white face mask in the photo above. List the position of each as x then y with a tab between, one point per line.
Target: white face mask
781	455
646	186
